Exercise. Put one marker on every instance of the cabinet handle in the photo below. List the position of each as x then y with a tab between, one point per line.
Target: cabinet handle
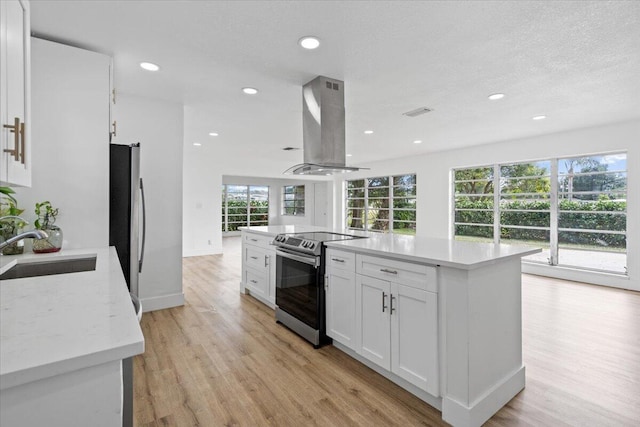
15	129
114	126
384	296
253	281
266	260
254	240
337	260
254	257
392	309
388	271
22	142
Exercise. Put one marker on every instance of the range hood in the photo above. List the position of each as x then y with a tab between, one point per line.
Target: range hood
323	124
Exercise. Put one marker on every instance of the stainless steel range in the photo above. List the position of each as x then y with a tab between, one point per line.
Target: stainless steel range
300	297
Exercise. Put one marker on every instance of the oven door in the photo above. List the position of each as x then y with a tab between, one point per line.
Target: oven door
298	286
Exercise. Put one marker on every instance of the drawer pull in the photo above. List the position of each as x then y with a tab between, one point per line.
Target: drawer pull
388	271
337	260
254	240
253	281
254	257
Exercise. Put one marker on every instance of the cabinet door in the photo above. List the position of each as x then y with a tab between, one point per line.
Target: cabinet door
414	333
340	288
15	88
373	313
271	265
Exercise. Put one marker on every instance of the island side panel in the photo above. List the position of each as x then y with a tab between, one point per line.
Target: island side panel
482	355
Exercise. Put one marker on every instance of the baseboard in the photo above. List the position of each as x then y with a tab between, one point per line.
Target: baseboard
434	401
200	252
162	302
459	415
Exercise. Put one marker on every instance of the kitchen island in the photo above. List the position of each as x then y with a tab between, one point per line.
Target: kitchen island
62	341
440	318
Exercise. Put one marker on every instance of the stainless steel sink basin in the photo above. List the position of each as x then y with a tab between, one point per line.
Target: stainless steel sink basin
49	267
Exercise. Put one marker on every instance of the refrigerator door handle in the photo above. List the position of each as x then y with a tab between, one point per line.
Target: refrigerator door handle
144	227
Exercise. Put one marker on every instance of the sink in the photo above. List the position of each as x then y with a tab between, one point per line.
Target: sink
49	267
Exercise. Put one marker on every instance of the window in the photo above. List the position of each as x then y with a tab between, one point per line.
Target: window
571	207
293	200
244	205
385	204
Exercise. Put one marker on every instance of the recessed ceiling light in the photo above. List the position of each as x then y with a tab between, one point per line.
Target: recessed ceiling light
417	141
495	96
541	117
309	42
249	90
368	132
213	134
197	144
149	66
349	155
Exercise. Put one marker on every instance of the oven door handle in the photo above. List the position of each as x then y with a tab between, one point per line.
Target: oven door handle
311	260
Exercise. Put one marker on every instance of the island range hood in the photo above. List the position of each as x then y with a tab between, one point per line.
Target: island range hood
323	124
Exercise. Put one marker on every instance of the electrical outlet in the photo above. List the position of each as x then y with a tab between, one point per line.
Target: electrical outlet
209	242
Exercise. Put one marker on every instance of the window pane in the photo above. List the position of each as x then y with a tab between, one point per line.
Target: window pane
474	233
404	203
378	203
474	203
359	183
355	193
404	180
404	191
400	215
475	217
378	192
379	225
404	228
593	221
530	219
485	173
378	182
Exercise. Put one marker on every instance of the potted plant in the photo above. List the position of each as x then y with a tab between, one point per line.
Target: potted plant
10	223
47	214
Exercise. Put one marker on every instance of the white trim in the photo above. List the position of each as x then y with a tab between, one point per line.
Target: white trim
579	275
162	302
459	415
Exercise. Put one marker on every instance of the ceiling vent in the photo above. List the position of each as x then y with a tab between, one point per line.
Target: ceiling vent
417	112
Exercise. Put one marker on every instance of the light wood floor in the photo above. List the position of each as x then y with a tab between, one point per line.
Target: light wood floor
221	360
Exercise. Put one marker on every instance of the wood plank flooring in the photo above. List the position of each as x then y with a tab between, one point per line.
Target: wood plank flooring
221	360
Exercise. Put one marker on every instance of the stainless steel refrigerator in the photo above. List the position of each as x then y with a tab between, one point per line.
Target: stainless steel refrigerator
127	234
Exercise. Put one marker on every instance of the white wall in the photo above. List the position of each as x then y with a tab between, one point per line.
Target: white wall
158	127
434	188
204	167
70	151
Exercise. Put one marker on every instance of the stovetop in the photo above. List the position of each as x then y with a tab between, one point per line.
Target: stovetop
309	242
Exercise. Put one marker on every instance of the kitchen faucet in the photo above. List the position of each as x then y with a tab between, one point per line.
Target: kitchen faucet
36	234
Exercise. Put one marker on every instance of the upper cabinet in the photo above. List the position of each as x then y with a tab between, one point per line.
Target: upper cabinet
15	84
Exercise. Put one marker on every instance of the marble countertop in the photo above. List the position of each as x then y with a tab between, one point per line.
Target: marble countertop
424	250
51	325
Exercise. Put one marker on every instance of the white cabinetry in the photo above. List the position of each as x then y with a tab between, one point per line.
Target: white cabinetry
15	64
397	314
258	267
340	287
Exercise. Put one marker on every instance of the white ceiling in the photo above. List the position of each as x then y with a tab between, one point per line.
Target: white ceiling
576	62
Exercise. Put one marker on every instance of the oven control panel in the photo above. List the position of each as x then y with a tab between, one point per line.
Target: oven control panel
297	243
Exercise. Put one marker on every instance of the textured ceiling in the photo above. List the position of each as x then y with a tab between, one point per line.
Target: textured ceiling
576	62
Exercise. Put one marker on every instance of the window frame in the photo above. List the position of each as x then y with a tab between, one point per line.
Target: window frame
247	211
555	196
295	199
388	202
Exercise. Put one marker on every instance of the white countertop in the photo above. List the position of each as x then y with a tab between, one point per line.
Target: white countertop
424	250
50	325
273	230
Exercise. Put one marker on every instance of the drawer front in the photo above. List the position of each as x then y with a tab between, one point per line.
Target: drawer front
255	257
415	275
341	260
257	283
257	239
